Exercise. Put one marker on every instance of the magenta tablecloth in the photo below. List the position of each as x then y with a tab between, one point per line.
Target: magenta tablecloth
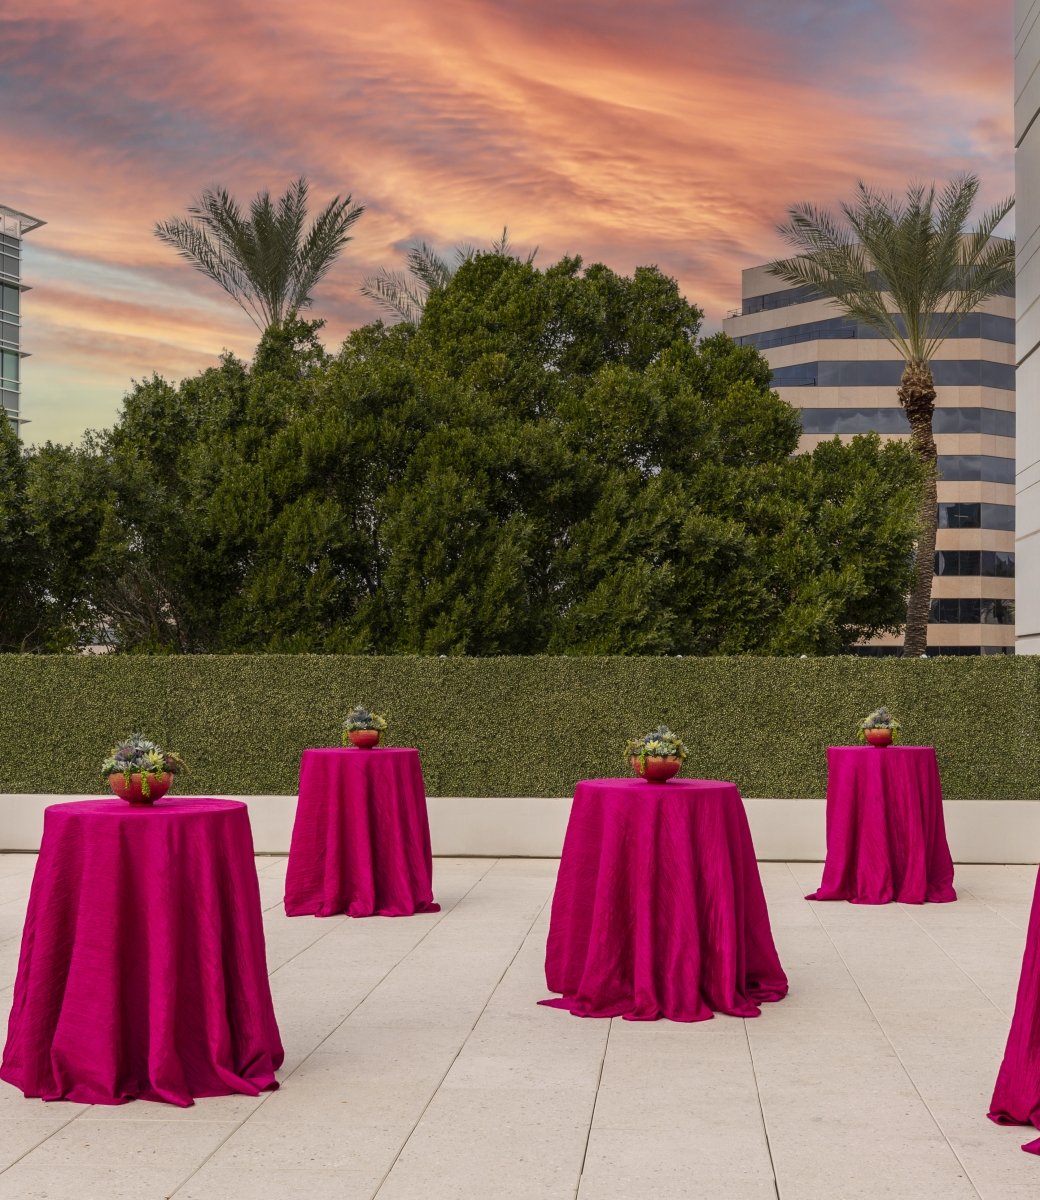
1016	1098
886	839
361	841
143	971
659	910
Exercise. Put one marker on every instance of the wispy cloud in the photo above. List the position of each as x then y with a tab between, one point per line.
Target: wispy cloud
663	132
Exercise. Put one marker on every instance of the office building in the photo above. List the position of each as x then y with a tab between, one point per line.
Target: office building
843	378
14	226
1027	345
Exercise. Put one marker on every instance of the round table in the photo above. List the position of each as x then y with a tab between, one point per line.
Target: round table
1016	1097
886	840
658	909
143	971
361	839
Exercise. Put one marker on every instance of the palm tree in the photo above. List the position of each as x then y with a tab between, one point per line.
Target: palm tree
265	262
911	270
405	294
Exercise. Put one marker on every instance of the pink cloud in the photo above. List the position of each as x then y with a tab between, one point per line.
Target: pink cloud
660	132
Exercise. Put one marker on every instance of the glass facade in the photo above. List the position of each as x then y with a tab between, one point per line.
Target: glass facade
971	611
961	372
800	295
893	420
974	325
999	563
984	468
969	515
13	226
933	651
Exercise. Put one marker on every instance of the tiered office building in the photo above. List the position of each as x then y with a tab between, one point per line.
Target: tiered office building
1027	253
14	226
843	378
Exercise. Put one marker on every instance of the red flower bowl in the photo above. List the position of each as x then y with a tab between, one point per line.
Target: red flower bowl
158	786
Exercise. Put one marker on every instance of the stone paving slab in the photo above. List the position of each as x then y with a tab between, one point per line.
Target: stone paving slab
419	1066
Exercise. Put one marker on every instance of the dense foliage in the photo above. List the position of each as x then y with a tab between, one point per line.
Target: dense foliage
549	461
519	726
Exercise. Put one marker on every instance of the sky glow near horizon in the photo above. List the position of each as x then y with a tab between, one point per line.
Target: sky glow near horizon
658	131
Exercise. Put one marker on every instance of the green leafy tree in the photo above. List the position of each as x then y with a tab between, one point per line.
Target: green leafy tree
268	262
911	270
549	461
23	616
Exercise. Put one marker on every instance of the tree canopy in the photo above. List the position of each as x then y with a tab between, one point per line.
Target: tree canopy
549	461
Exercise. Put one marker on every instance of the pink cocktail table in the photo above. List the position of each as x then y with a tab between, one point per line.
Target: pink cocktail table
658	909
143	971
1016	1097
361	839
886	839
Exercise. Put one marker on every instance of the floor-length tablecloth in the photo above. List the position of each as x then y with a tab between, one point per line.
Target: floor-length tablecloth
1016	1097
886	838
361	839
143	969
659	909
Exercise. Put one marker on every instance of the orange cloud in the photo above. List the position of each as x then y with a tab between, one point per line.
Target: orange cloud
661	132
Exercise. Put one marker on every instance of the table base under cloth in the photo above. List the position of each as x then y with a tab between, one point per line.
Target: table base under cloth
1016	1097
143	970
659	910
361	838
886	838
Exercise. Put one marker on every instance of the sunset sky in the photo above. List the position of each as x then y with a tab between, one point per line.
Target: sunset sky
673	132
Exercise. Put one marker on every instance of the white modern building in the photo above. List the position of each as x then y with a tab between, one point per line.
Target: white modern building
1027	340
14	225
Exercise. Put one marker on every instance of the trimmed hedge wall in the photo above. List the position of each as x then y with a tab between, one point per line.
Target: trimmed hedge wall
523	726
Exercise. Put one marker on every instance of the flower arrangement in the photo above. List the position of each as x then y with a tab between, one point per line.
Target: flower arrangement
136	755
879	719
363	728
660	743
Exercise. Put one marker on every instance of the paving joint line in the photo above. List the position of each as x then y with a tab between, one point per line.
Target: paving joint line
595	1102
188	1178
455	1056
898	1057
762	1111
978	986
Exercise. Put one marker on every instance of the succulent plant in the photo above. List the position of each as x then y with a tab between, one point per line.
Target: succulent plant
880	718
361	718
137	755
658	743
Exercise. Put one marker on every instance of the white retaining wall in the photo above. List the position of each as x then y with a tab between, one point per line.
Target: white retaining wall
985	831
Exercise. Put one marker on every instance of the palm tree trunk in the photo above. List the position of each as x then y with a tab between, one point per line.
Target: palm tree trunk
917	396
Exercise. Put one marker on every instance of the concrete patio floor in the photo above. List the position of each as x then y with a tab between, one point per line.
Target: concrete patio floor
419	1067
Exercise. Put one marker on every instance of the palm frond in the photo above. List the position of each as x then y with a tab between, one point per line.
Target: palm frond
264	261
321	247
428	266
394	293
909	268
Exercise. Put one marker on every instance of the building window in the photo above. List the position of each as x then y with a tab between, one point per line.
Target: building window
892	419
984	468
784	299
994	563
10	299
972	372
970	611
9	366
963	515
974	325
935	651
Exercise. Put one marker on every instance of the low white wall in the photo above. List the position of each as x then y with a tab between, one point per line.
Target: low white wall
993	831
